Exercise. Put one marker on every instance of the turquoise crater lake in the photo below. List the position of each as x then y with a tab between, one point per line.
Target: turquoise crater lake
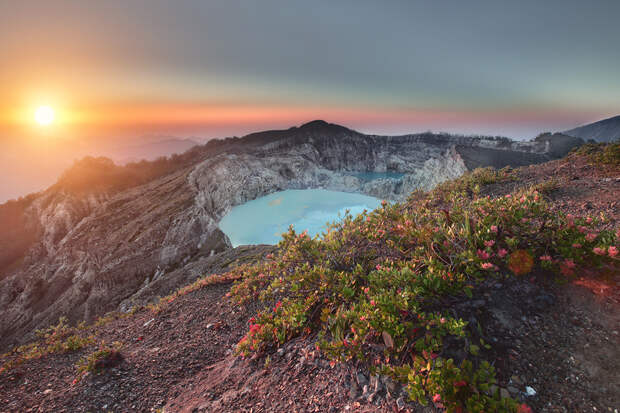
263	220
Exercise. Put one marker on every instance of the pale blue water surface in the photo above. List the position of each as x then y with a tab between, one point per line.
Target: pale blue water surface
263	220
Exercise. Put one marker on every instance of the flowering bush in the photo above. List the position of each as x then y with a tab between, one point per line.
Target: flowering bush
371	288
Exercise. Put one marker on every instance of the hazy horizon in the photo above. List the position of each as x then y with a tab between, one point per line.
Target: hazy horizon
116	71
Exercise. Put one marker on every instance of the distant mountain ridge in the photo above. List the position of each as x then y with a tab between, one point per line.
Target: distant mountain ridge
606	130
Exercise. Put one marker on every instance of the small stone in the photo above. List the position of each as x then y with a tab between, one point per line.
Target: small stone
387	340
530	391
391	386
280	352
48	391
513	390
503	393
400	403
354	391
361	379
375	384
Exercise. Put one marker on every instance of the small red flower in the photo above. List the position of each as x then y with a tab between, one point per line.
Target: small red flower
483	255
487	266
567	266
599	251
460	383
436	398
524	408
254	328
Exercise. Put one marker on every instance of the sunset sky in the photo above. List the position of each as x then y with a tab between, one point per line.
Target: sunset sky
119	70
210	68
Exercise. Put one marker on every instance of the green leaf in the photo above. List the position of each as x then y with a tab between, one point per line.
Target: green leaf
474	349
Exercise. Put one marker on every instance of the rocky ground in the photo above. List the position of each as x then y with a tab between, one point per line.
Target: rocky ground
555	346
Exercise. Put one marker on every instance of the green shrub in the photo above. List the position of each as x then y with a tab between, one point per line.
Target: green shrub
60	338
99	359
604	154
376	282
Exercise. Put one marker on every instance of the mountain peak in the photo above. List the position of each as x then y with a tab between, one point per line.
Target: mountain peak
321	125
318	123
606	130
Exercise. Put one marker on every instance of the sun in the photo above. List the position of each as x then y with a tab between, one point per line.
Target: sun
44	115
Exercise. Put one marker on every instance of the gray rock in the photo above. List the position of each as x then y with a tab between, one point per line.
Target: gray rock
361	379
391	386
375	384
516	380
354	390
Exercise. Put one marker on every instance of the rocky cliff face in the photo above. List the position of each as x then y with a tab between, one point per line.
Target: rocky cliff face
99	251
